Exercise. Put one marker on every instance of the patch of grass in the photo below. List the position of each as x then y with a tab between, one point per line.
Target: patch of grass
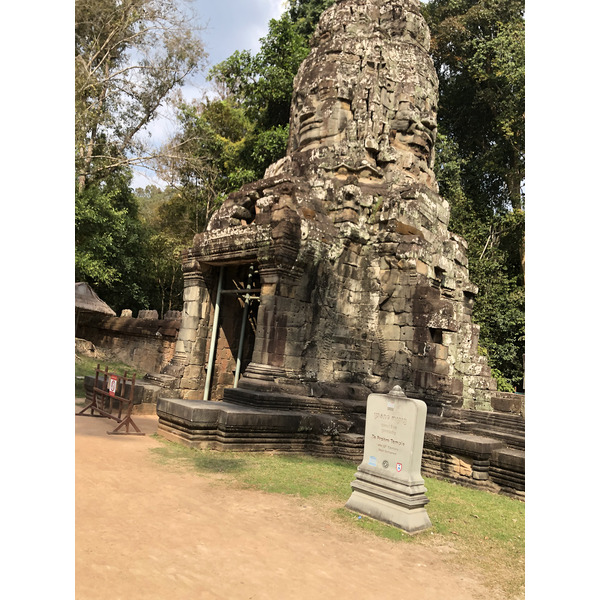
484	530
371	525
487	529
302	476
85	365
171	453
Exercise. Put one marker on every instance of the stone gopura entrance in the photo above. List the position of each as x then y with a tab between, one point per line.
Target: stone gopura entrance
232	316
357	285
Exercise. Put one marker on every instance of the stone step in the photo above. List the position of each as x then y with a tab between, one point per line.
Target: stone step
493	418
510	439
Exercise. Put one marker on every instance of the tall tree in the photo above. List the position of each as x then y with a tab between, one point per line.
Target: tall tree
129	56
305	14
110	242
263	84
494	239
478	49
207	159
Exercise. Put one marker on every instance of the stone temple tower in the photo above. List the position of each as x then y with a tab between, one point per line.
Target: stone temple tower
335	275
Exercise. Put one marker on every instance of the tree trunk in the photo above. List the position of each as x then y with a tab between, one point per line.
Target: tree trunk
515	178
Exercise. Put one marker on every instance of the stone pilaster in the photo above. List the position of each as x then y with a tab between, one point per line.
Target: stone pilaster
194	290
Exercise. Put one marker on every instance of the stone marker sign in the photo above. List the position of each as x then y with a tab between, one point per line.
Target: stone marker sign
388	485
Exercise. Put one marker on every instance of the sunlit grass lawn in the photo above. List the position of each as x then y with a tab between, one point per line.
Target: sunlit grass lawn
484	530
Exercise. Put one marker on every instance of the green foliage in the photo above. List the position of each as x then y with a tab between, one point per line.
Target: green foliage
164	247
478	50
269	146
495	239
130	55
109	243
124	250
504	384
97	223
208	159
305	14
263	84
164	272
226	143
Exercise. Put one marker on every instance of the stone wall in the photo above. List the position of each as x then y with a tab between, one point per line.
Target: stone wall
146	343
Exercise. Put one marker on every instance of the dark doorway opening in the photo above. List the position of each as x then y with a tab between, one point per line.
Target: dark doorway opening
234	344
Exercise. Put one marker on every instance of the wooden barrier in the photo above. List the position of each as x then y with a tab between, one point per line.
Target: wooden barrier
103	400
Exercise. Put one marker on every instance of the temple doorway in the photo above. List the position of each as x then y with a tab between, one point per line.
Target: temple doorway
231	343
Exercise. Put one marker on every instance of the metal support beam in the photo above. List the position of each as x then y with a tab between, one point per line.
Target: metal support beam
238	364
213	340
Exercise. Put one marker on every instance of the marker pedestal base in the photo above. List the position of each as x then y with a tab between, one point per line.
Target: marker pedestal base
390	502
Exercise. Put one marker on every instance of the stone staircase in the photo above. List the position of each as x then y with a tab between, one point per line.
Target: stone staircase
477	449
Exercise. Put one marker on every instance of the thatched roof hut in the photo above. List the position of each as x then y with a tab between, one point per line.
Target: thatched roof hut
87	300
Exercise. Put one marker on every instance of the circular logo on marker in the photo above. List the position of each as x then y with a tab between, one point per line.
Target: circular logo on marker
385	464
398	467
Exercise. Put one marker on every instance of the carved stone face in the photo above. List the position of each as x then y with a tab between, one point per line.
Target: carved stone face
366	94
320	112
413	129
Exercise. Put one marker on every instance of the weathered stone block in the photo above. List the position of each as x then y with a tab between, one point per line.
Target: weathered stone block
391	332
440	352
407	334
191	293
508	403
187	335
147	314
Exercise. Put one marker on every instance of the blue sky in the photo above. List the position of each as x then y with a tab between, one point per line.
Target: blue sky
235	25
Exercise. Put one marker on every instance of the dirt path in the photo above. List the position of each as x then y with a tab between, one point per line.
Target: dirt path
144	530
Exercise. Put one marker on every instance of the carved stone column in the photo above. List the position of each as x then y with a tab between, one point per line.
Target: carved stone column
271	343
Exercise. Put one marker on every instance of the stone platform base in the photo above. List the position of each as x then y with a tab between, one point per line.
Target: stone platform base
481	450
227	426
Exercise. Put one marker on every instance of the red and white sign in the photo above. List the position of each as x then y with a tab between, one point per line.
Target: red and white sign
112	385
398	467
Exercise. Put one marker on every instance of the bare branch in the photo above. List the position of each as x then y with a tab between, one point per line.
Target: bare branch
129	59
